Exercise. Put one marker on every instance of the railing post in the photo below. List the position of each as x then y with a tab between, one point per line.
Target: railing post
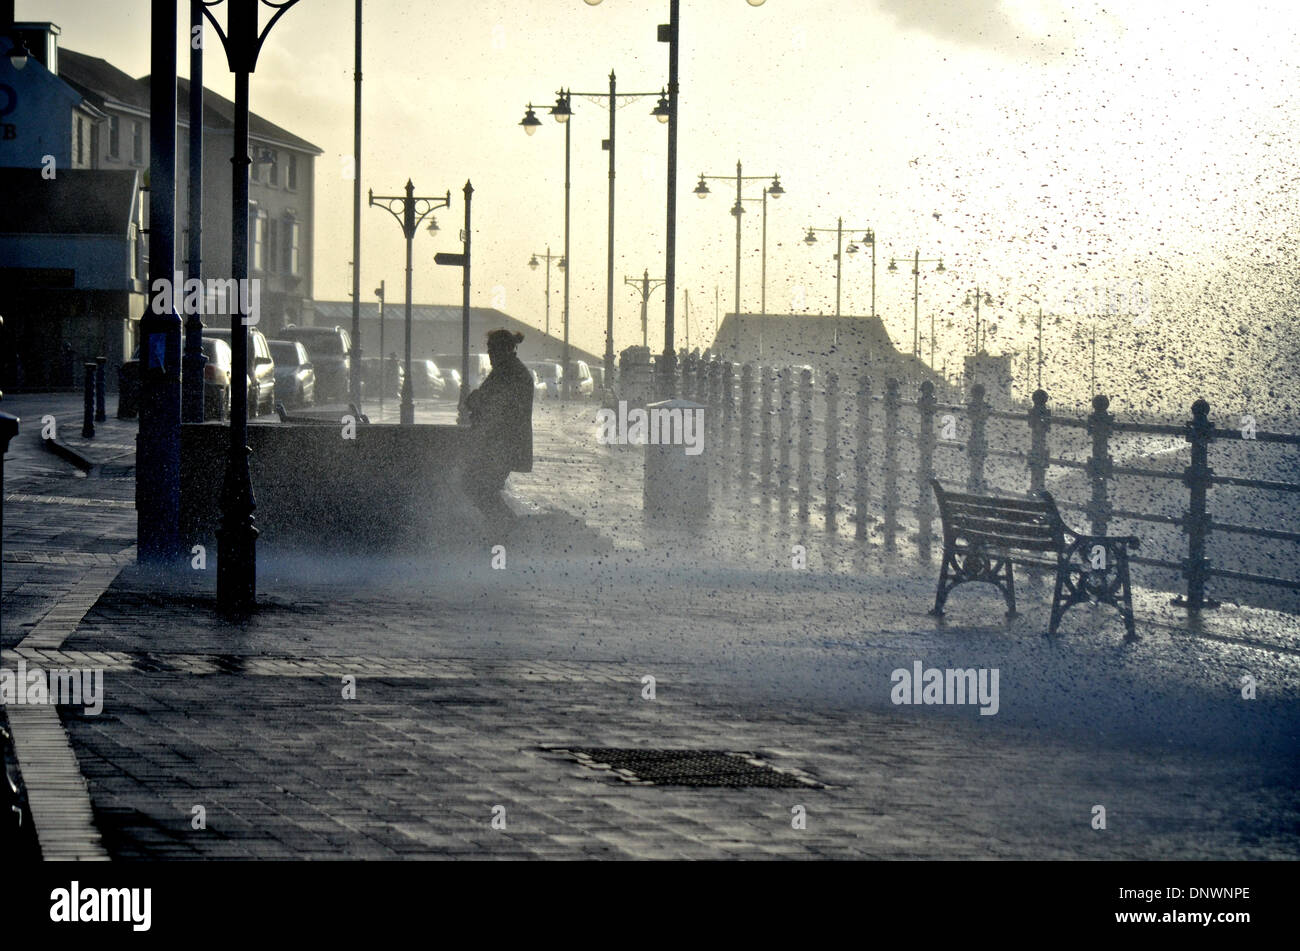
1196	523
925	469
746	429
862	459
978	445
100	415
787	437
765	435
1099	465
9	426
1040	421
805	442
831	484
728	420
88	400
892	407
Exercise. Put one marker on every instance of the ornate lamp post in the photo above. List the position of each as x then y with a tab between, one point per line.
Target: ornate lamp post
776	191
987	298
917	261
237	536
409	210
868	237
646	285
535	264
670	33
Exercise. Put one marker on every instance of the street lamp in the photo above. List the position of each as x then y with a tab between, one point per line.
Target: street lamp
409	211
670	33
237	536
917	261
738	209
646	285
868	237
535	264
987	298
609	99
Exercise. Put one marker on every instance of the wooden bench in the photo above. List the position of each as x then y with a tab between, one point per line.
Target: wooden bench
980	533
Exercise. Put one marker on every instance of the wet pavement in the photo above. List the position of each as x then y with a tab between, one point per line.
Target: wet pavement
412	706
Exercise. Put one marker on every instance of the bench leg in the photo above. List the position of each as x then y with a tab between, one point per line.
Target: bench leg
1126	593
1011	590
1058	609
941	595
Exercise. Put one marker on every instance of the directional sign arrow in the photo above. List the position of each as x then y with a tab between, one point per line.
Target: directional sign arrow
453	260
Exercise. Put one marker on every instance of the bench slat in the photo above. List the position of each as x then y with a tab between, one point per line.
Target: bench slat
1001	541
990	526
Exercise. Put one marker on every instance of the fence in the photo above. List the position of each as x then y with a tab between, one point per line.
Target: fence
866	455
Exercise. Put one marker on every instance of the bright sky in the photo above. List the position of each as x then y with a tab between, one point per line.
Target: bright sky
1066	151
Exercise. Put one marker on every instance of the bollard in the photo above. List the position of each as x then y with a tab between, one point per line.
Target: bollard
861	460
1197	477
100	415
1099	465
831	485
88	408
892	406
728	420
746	429
805	442
8	430
787	437
977	448
1040	420
765	434
925	470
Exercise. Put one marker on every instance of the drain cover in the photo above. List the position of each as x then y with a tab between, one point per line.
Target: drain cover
732	768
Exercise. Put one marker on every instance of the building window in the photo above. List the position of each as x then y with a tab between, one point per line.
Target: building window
80	128
114	138
272	246
291	245
137	143
255	167
259	239
293	172
274	173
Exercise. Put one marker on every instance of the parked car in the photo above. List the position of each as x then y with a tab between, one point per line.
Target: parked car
479	366
216	379
550	374
427	381
260	372
295	377
598	375
580	380
393	375
330	352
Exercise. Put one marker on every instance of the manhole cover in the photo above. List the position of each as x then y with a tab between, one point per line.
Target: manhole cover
732	768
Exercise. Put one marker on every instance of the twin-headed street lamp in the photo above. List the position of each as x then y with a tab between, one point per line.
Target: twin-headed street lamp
917	261
409	210
535	264
563	111
670	33
988	301
868	237
738	209
646	285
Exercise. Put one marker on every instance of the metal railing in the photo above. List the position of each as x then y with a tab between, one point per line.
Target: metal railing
888	440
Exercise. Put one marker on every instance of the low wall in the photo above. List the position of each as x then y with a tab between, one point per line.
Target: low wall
391	486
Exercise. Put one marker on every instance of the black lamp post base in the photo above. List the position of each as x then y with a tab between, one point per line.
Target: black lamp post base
237	570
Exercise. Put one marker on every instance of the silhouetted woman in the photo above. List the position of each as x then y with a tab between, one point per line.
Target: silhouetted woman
500	414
